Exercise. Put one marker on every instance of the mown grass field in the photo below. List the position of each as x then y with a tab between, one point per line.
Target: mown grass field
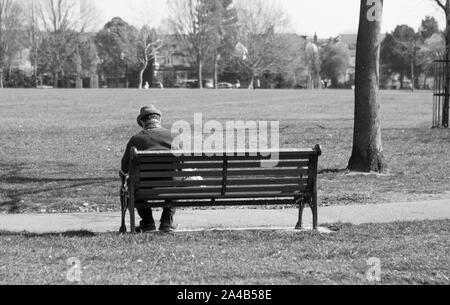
409	253
60	150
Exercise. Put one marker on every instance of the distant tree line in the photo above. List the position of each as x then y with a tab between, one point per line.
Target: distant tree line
407	53
48	34
223	40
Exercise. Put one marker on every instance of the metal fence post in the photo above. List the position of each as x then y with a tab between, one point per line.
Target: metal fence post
441	95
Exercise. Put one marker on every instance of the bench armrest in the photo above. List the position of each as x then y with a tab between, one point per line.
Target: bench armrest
123	178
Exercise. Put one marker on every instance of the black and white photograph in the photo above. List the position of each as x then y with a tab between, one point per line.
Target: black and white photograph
224	149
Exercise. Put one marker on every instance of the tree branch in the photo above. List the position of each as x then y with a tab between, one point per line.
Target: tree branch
441	5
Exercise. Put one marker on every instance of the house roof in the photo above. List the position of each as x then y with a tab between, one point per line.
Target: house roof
351	40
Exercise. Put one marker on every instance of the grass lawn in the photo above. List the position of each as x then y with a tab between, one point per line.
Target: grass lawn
410	253
60	149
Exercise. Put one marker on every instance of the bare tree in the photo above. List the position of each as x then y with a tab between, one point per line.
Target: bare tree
367	152
223	20
406	44
259	21
429	50
9	27
89	61
33	34
190	22
148	46
313	64
63	21
445	114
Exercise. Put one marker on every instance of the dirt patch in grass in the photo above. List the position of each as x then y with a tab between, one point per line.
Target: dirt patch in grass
410	253
63	154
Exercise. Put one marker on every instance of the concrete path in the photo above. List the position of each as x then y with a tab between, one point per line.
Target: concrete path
192	220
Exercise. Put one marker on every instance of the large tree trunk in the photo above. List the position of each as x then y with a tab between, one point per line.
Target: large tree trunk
445	111
1	51
367	152
413	77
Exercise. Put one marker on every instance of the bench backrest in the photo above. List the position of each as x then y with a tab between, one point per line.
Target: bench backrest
161	176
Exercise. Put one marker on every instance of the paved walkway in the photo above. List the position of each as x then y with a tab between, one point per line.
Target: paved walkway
191	220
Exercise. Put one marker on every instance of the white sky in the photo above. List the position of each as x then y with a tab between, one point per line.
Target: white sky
326	17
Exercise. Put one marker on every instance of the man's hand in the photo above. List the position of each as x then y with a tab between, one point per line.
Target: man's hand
123	175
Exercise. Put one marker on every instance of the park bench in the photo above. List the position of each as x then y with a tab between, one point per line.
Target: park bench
234	179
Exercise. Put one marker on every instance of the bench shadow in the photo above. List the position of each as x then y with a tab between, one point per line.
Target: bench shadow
19	180
14	197
68	234
332	171
13	174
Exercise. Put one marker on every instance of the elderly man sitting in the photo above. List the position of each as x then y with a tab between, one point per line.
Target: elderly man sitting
152	137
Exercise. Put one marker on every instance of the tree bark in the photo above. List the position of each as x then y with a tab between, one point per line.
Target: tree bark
144	68
413	76
55	80
251	86
79	82
1	50
402	80
94	81
153	75
141	75
445	111
367	152
200	72
215	71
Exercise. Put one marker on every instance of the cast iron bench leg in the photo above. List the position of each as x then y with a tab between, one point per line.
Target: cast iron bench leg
315	212
132	214
301	204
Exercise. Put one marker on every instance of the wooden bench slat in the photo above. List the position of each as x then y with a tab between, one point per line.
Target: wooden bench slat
269	172
173	183
217	203
150	196
212	153
218	165
168	174
218	182
267	181
219	173
171	158
285	151
239	189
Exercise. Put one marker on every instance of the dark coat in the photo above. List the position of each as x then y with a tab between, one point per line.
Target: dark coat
158	139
